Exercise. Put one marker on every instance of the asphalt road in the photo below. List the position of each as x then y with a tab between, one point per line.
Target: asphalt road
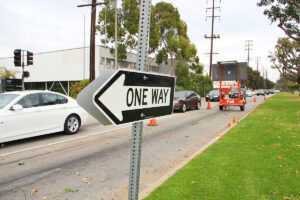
94	164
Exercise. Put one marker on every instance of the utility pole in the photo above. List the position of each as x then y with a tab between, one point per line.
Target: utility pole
212	35
116	34
257	61
92	40
248	47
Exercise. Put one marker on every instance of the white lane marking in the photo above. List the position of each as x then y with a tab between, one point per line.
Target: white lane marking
77	138
68	140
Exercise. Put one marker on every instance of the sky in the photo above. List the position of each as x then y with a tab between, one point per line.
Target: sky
49	25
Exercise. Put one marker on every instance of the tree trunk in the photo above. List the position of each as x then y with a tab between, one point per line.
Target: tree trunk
172	64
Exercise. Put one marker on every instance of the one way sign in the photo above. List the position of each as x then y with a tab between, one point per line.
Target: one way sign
124	96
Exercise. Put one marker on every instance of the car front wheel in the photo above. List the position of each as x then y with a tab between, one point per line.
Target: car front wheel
198	105
72	124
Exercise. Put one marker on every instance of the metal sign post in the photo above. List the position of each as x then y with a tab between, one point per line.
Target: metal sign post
123	96
137	128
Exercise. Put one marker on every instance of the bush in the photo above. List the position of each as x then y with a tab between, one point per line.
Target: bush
77	86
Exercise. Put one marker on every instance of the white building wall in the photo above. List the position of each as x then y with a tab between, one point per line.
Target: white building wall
68	65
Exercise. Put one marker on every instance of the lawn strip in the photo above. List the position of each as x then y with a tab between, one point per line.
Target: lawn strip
257	159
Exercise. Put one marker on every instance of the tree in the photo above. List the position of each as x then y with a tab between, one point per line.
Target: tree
172	33
128	27
5	73
287	12
106	26
286	59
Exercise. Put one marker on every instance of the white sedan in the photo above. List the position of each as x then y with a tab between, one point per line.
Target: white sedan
26	114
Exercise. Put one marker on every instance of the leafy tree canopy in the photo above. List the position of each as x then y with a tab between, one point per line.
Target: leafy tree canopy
286	59
286	12
5	73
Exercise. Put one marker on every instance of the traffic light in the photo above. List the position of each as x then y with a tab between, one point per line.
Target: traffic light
18	57
29	58
26	74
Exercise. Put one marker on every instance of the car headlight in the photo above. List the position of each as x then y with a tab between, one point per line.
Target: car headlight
216	96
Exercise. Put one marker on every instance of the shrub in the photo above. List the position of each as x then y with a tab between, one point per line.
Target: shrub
77	86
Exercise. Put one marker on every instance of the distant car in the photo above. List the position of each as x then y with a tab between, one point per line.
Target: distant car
184	100
25	114
260	92
214	95
276	91
266	91
234	93
249	93
271	91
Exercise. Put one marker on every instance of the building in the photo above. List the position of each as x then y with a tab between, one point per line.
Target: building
64	66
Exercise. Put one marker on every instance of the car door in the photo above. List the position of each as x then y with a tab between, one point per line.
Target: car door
194	99
189	100
54	110
27	121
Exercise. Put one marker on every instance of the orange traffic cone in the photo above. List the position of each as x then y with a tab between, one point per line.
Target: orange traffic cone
265	98
254	99
229	124
208	105
233	121
152	122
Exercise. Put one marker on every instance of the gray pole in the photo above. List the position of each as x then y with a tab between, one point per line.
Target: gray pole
137	128
116	34
22	54
83	47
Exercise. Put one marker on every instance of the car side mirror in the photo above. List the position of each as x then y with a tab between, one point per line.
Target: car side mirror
17	107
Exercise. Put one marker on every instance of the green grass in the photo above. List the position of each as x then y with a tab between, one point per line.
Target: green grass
257	159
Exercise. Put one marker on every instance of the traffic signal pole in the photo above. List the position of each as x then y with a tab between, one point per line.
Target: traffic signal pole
23	88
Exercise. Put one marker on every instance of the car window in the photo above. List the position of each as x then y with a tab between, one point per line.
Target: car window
180	94
5	99
49	99
62	99
31	100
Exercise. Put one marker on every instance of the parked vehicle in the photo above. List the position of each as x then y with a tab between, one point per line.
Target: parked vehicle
271	91
214	95
234	93
266	91
260	92
184	100
25	114
276	91
249	93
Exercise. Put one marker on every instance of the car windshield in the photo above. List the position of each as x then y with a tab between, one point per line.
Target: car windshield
5	99
214	92
180	94
235	91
